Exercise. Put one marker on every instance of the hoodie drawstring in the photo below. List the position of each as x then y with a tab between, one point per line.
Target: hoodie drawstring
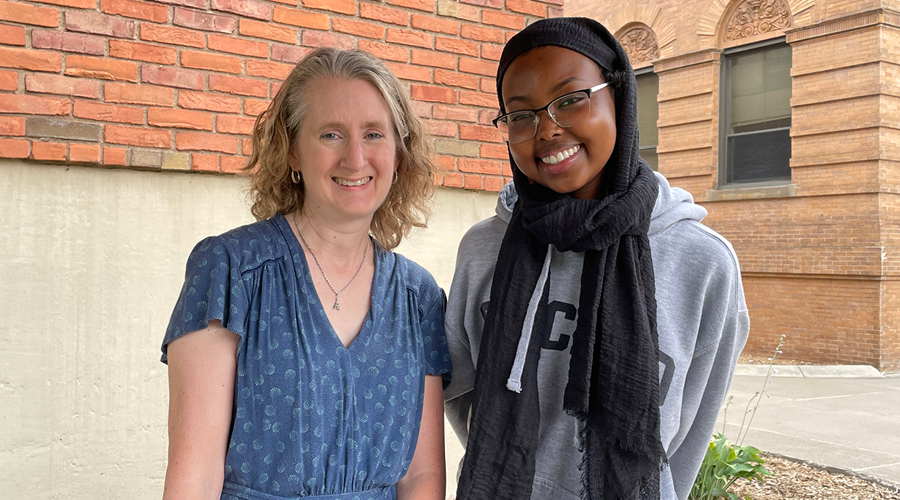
514	383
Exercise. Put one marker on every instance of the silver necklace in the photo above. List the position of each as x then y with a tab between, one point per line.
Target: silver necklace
337	294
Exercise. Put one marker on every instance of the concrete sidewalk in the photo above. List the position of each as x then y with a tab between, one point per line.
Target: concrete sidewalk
842	417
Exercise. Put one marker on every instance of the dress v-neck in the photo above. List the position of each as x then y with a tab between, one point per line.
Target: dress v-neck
297	249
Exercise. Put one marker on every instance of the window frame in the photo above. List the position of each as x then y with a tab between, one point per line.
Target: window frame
725	113
638	73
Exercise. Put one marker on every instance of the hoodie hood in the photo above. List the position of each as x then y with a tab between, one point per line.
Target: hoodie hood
673	204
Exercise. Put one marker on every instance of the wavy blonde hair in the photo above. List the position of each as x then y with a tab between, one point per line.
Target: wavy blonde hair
271	189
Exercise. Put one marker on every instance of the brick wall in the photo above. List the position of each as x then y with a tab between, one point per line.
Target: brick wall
177	84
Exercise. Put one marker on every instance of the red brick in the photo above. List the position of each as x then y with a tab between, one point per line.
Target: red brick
9	80
481	34
409	37
385	50
433	94
14	148
238	46
12	35
172	77
238	85
209	102
274	88
486	116
138	94
359	28
459	11
441	128
206	163
137	9
448	163
341	6
249	8
142	52
477	99
455	113
527	7
102	68
138	136
491	52
300	18
268	31
48	151
114	156
477	66
475	182
203	20
231	124
289	53
456	46
253	107
34	105
407	72
175	36
56	84
421	109
179	118
199	141
246	146
108	113
431	58
84	153
211	62
99	24
503	20
68	42
431	24
555	12
12	125
383	14
74	4
34	60
28	14
425	5
268	69
479	133
494	4
197	4
455	79
495	151
312	38
453	180
494	184
232	164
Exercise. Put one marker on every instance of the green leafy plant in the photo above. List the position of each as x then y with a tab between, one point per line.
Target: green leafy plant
724	462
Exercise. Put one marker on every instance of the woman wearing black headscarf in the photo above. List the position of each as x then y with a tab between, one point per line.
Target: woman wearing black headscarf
577	374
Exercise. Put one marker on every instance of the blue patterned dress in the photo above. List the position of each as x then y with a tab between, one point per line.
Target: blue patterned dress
313	418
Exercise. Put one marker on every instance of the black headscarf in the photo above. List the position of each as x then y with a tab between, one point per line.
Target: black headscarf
613	380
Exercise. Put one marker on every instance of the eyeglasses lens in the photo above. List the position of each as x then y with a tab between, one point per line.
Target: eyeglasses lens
567	111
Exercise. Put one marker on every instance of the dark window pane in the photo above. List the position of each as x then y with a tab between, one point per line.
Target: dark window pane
648	109
759	157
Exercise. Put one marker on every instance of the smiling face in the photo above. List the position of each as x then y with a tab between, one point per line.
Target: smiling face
566	160
346	150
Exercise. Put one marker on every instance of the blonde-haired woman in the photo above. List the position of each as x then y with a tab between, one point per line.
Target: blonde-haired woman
304	356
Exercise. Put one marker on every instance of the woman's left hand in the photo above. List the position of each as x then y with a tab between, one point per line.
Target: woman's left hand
426	478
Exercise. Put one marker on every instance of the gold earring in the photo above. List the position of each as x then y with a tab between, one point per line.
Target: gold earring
295	177
394	180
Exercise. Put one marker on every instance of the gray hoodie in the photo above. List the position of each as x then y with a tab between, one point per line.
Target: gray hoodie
702	323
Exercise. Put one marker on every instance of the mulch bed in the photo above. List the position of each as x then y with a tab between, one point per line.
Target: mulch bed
798	481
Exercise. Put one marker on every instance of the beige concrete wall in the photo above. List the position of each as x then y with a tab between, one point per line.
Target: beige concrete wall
91	262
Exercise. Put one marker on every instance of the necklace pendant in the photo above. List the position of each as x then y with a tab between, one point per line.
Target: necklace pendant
337	305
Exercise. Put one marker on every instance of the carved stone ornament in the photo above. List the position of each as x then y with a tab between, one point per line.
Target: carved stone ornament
640	45
757	17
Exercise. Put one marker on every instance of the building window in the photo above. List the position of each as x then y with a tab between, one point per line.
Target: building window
756	121
648	114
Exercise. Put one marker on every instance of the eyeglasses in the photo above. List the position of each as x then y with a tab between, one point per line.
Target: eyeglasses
566	111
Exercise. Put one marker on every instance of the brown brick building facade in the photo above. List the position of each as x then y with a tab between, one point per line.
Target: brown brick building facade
820	249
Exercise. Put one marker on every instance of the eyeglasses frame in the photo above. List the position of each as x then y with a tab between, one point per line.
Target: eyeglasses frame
546	108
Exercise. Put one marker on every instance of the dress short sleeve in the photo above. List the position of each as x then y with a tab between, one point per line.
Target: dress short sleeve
212	289
434	340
